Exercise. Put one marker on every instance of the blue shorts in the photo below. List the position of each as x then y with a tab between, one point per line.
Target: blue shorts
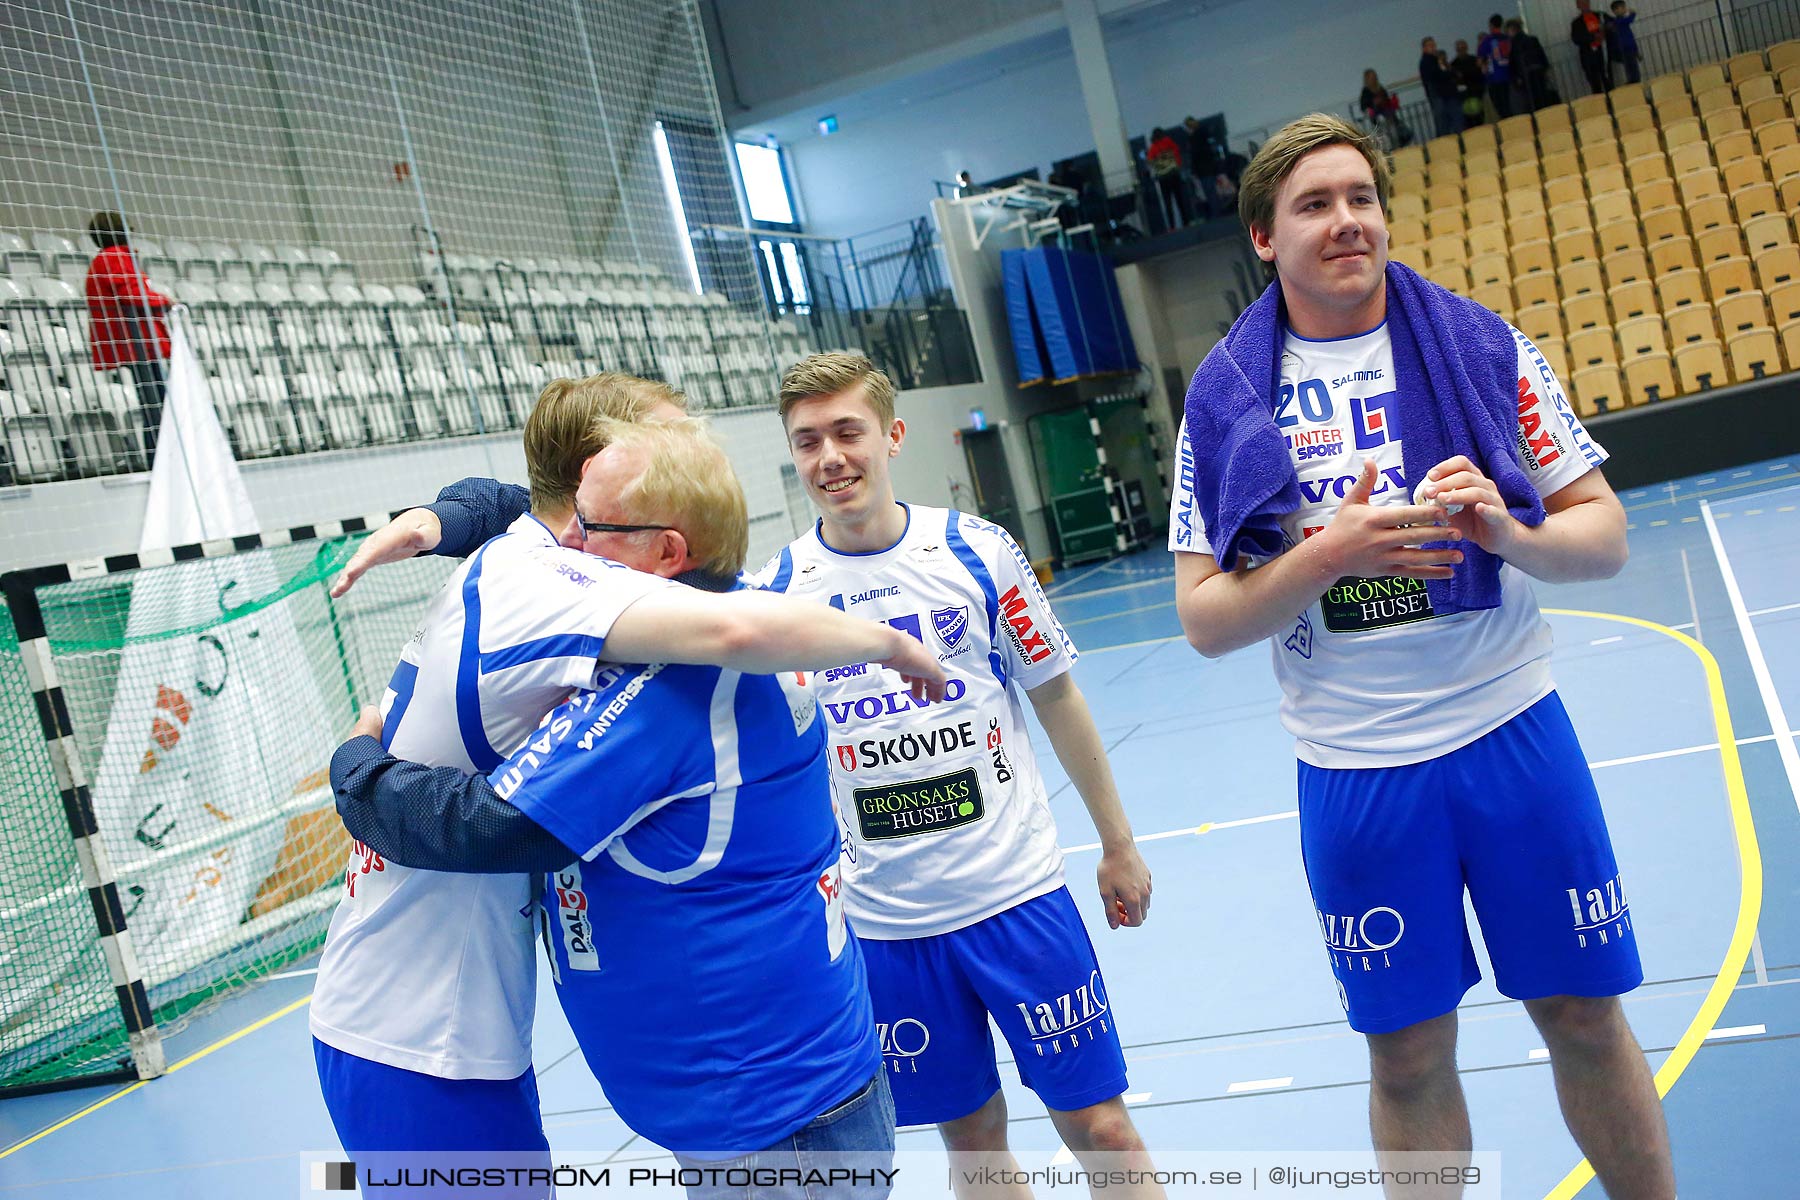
384	1115
1032	968
1513	817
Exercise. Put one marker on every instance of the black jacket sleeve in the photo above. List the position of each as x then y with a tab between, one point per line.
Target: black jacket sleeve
436	818
473	510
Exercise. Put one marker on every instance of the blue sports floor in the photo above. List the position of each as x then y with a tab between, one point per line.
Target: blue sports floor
1676	674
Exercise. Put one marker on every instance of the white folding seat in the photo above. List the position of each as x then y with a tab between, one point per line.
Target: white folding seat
32	451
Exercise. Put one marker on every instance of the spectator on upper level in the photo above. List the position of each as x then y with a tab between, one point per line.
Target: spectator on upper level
1164	157
1470	86
1382	108
1495	52
125	320
1440	88
1622	40
1203	165
1589	33
1531	68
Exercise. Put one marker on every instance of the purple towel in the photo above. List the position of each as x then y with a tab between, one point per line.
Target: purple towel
1456	371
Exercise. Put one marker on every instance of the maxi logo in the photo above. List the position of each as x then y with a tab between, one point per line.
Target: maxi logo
1537	439
1372	420
888	704
1600	912
908	747
1026	640
1317	490
1068	1016
924	806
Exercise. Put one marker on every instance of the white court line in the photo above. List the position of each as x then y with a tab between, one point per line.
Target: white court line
1064	597
1759	666
1731	1031
1136	1097
1063	1157
296	974
1538	1055
1607	641
1763	612
1259	1085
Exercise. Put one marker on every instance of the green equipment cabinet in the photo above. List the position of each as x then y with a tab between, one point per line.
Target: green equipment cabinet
1097	464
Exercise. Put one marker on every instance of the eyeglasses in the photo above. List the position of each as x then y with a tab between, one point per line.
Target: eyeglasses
590	528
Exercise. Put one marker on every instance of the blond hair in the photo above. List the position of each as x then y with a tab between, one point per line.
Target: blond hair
1278	157
835	372
687	485
563	430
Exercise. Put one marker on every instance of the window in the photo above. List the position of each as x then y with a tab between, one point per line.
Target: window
765	184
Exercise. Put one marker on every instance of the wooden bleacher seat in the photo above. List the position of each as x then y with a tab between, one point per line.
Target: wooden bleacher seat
1657	193
1595	155
1727	276
1485	161
1783	55
1719	242
1667	87
1446	146
1538	287
1755	354
1485	210
1446	249
1531	256
1619	235
1443	195
1743	66
1673	254
1495	297
1691	324
1586	108
1641	335
1636	120
1517	153
1584	312
1555	119
1626	266
1709	212
1760	233
1663	223
1649	378
1679	289
1729	147
1598	388
1714	99
1690	156
1775	135
1646	167
1528	227
1515	129
1488	236
1478	138
1557	141
1789	337
1488	269
1627	96
1453	276
1766	110
1524	200
1636	298
1701	365
1445	222
1483	186
1776	266
1602	180
1539	321
1596	130
1709	75
1754	200
1740	311
1571	216
1577	245
1408	157
1757	89
1589	347
1406	233
1695	184
1581	279
1442	171
1784	169
1676	109
1555	353
1784	304
1743	172
1407	206
1675	133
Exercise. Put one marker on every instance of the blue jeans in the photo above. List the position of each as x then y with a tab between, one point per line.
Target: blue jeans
857	1136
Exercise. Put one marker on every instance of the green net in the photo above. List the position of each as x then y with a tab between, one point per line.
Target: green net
205	697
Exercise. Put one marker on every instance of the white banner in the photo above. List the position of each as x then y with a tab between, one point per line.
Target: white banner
215	727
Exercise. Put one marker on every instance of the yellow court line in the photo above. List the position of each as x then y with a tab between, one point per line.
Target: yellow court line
195	1057
1749	893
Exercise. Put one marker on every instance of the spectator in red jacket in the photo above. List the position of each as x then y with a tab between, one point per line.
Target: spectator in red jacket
125	319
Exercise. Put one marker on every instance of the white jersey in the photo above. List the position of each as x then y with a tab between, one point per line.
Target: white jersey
1370	677
436	972
944	815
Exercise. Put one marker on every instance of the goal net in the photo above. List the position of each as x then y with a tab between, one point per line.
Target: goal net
200	700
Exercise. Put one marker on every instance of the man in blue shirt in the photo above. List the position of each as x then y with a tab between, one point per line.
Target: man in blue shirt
696	800
1495	52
